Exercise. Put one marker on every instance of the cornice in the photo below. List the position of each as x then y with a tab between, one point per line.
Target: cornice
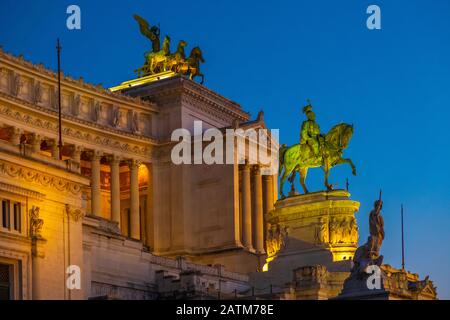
178	86
21	191
77	84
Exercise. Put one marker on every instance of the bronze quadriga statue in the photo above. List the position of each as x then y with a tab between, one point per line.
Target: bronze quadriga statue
161	59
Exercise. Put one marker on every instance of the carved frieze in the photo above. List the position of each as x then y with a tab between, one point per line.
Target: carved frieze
277	237
61	185
343	230
78	134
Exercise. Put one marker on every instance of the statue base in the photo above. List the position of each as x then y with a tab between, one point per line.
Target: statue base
387	283
314	222
308	230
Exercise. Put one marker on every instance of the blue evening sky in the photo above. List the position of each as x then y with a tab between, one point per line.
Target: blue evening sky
392	84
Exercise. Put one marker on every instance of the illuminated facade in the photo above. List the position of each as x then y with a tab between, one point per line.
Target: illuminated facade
136	225
115	205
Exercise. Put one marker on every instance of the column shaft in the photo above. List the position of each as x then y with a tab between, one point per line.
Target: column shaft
268	194
258	206
246	209
96	197
134	200
115	190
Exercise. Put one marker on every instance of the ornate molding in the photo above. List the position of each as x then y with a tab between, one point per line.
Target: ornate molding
10	170
75	213
187	90
21	191
39	68
75	133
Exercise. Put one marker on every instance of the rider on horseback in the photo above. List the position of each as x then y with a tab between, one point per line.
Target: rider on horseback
310	131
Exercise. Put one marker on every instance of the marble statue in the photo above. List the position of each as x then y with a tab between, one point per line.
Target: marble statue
35	223
369	253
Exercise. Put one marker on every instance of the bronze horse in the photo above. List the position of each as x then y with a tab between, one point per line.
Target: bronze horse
299	157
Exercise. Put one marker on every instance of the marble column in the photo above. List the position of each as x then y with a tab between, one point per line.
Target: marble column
115	189
15	136
246	208
96	196
275	187
258	207
35	142
76	154
134	200
55	150
268	193
74	164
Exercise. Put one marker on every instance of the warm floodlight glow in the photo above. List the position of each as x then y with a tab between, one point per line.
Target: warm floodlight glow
143	80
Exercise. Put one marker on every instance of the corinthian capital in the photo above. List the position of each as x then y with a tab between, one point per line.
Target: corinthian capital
134	164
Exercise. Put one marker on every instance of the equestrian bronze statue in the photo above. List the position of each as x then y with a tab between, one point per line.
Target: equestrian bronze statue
160	59
314	150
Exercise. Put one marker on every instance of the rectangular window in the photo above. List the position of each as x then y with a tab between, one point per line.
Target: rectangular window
17	216
5	213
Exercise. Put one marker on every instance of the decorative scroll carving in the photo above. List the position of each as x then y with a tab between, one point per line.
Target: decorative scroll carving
74	213
103	141
62	185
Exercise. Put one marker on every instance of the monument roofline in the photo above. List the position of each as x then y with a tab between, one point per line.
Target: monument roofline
72	120
178	85
40	70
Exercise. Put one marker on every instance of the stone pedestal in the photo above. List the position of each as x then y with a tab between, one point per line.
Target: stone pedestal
316	229
387	283
311	227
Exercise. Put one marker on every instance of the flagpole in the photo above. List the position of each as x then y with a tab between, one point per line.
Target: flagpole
403	241
60	145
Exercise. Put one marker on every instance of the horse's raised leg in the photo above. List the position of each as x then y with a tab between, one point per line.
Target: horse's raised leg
303	173
349	162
